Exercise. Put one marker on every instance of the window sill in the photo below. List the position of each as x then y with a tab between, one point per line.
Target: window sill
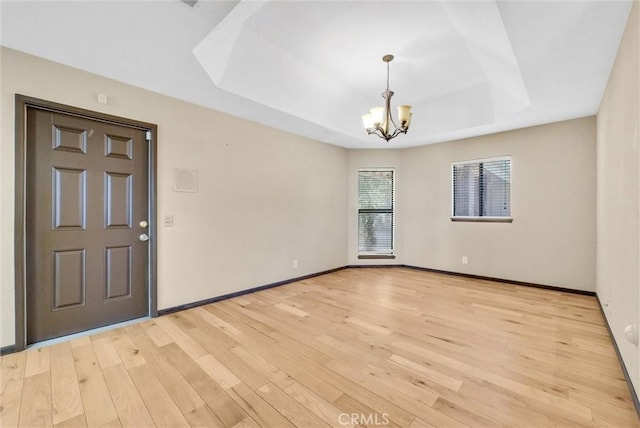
375	256
484	219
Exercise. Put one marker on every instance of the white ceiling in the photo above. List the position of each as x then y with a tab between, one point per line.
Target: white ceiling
314	67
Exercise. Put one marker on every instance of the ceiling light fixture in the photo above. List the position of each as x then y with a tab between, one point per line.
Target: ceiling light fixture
379	119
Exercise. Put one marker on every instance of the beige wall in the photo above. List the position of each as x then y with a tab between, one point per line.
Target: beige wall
618	255
552	238
265	197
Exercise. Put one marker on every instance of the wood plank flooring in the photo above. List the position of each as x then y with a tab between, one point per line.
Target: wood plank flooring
389	347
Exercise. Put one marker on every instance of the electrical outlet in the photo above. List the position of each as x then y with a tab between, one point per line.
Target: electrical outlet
465	260
295	263
168	220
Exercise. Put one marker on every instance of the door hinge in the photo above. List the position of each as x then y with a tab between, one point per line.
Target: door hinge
148	135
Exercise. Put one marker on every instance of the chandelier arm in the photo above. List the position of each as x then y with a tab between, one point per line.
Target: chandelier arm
387	97
379	132
388	119
398	131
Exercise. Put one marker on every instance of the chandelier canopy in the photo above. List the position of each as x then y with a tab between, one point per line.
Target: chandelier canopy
379	120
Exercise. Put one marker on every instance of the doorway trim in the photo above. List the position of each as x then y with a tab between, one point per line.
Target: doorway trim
22	103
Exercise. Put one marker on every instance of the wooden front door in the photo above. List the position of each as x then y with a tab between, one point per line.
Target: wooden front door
87	201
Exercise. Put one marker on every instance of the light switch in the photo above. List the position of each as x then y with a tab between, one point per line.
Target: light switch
168	220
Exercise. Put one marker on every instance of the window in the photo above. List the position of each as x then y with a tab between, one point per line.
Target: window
482	190
375	212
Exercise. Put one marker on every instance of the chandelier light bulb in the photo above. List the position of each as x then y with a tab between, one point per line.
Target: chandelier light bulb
377	114
404	112
367	121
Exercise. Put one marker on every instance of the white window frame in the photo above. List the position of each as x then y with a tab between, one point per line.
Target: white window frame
486	219
377	254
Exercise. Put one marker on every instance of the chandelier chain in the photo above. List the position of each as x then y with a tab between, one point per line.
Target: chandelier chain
387	75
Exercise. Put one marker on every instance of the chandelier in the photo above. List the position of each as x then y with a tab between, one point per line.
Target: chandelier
379	120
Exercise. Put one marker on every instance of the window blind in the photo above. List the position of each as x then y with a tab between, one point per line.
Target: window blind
375	211
482	188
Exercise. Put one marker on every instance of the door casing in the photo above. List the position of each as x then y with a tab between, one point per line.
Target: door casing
22	103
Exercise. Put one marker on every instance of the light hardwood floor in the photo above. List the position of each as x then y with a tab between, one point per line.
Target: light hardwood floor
396	347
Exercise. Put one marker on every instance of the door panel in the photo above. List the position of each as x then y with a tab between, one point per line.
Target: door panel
69	268
69	203
69	139
118	269
118	192
87	191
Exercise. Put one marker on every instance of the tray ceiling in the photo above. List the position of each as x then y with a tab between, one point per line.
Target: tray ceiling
312	68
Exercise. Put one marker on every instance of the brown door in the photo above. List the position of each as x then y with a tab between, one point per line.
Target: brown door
87	194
